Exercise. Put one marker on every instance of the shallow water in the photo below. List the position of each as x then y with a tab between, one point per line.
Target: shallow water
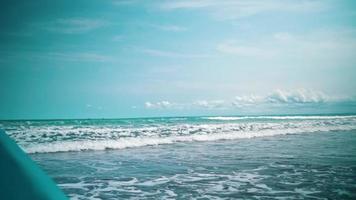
305	166
294	159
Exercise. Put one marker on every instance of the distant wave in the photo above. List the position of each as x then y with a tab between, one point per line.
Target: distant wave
129	142
65	146
47	136
280	117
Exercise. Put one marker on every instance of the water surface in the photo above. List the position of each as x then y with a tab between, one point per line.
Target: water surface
260	157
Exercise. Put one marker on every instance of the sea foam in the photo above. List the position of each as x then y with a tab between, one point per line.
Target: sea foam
47	137
306	117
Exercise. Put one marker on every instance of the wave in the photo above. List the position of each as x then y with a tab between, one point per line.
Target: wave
121	143
80	135
316	117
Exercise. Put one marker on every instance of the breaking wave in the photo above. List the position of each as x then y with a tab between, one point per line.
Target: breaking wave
307	117
45	137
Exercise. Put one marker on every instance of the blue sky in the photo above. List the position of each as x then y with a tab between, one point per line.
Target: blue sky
108	59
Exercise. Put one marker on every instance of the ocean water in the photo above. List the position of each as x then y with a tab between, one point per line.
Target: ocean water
245	157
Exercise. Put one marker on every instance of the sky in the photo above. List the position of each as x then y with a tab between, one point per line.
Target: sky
117	59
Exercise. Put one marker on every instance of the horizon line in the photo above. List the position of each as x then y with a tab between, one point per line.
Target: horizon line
181	116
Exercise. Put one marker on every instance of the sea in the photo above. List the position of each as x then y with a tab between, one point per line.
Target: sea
221	157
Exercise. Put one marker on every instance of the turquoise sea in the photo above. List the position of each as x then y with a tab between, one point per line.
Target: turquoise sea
240	157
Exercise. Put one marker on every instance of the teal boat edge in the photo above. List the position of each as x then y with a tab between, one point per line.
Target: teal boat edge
21	178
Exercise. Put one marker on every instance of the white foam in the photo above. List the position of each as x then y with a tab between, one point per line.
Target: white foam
280	117
122	143
75	136
158	181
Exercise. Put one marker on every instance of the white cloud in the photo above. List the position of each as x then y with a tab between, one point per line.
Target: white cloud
322	48
158	105
170	28
298	98
92	107
79	57
123	2
172	5
234	9
62	56
301	96
231	47
74	25
206	104
160	53
283	98
149	105
209	104
246	100
164	104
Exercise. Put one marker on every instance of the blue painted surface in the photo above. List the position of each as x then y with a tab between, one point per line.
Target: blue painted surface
21	178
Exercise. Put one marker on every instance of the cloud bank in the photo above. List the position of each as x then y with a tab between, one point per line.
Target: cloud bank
283	98
278	98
